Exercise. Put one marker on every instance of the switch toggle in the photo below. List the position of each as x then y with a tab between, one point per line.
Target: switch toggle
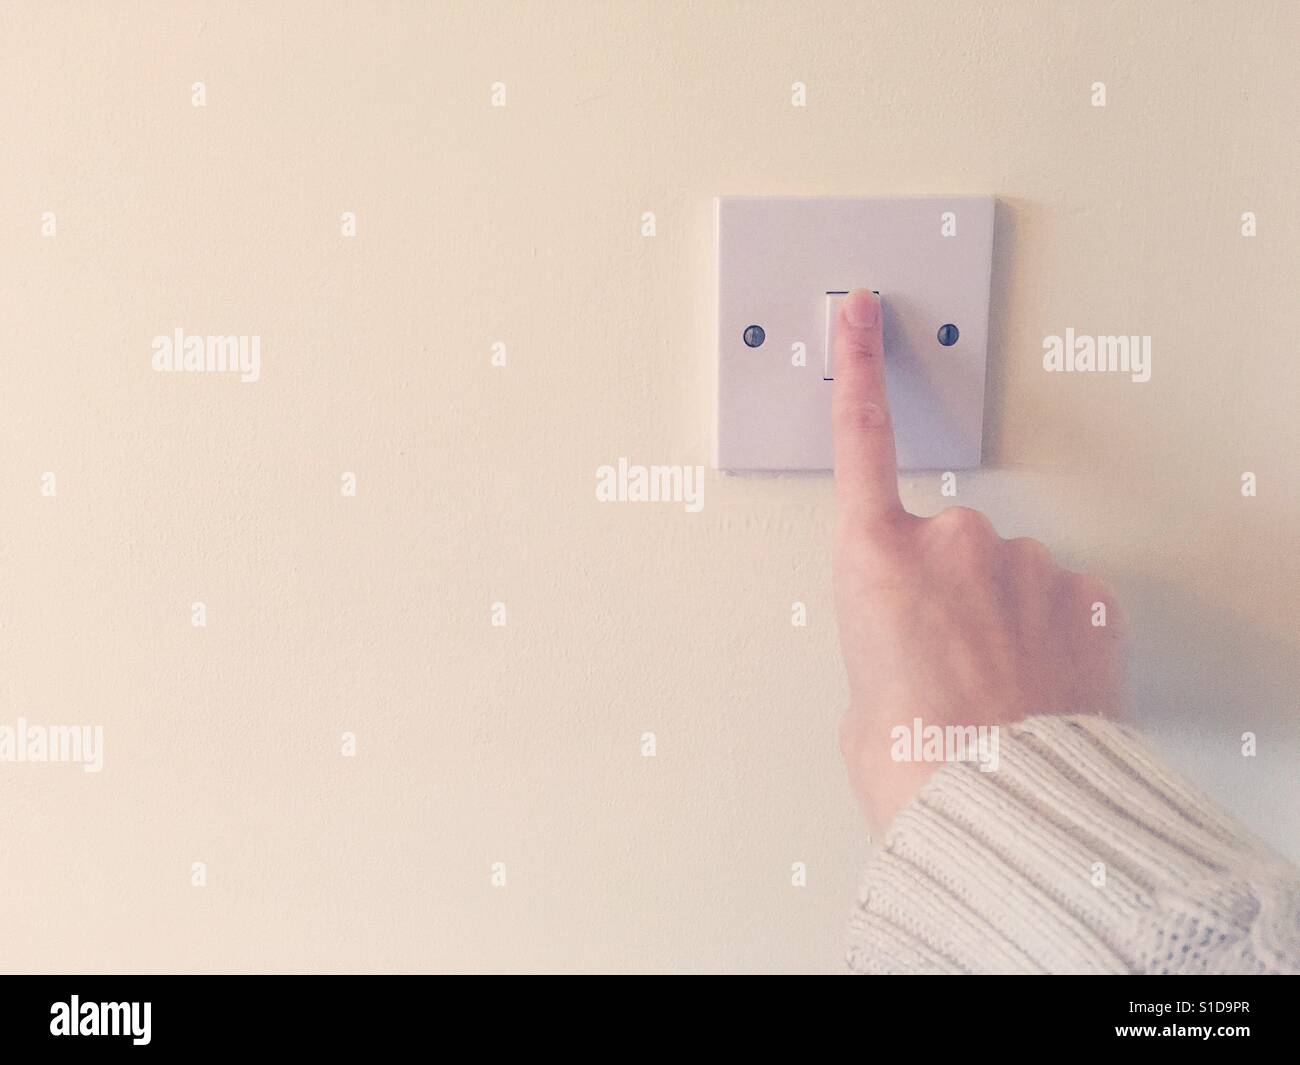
833	301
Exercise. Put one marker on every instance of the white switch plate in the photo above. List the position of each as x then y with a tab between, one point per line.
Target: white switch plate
779	260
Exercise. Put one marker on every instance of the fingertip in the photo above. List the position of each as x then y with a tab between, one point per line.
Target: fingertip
861	309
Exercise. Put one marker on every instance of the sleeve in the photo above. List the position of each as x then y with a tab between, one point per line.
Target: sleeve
1080	853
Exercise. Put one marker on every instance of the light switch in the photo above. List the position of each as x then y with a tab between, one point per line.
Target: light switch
833	301
784	265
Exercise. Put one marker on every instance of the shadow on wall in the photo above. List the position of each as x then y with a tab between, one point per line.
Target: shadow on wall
1202	673
1204	670
1006	224
1200	677
1203	665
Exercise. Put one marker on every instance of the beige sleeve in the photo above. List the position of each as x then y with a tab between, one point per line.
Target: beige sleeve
1081	853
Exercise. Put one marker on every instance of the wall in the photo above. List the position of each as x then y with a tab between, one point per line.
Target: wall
520	224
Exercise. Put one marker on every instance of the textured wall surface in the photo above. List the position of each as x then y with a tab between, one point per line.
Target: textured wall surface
126	211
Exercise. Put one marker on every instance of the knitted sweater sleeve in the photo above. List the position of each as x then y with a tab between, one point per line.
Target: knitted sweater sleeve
1080	853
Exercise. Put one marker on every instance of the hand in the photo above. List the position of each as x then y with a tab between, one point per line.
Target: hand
940	618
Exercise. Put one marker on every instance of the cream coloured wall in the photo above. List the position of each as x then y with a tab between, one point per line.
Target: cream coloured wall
521	225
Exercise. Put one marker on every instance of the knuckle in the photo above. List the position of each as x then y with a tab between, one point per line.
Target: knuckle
859	416
1025	550
963	525
856	342
1092	589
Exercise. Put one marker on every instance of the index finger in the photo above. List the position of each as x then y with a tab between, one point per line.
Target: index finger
866	466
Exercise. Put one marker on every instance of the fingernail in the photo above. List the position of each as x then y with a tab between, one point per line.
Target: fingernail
861	309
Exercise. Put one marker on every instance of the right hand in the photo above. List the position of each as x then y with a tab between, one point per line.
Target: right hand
940	618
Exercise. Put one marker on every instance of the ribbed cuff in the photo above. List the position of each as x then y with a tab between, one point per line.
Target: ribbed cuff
1080	853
